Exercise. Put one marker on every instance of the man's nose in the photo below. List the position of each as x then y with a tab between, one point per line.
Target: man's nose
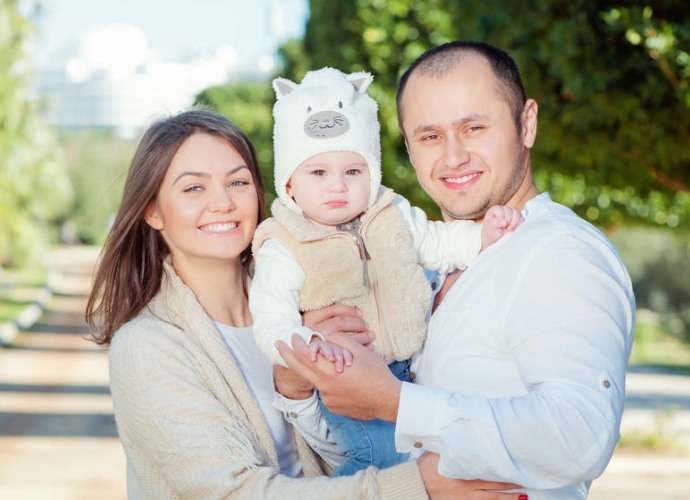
456	153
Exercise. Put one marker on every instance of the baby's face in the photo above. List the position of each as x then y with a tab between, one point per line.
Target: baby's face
331	188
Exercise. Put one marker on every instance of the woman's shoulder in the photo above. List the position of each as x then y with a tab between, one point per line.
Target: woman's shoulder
143	333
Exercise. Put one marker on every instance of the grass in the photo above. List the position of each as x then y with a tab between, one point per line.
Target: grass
18	289
656	442
655	346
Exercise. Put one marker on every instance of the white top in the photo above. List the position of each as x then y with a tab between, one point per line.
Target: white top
278	278
258	373
522	375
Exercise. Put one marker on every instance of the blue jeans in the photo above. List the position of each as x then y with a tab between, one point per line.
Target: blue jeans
366	442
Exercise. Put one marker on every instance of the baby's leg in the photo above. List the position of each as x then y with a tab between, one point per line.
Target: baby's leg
366	443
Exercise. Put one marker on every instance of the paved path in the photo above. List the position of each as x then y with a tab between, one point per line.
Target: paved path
58	439
57	434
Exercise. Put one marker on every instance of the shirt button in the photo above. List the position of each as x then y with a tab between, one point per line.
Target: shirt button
417	444
293	414
413	376
607	384
434	285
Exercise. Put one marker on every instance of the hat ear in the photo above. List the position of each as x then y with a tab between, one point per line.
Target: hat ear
283	87
361	80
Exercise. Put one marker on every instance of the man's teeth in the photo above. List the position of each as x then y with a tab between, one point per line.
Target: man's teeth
459	180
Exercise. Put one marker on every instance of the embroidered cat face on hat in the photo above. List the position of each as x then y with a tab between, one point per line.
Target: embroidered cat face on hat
327	111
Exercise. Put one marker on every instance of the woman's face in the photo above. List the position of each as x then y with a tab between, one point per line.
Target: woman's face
207	205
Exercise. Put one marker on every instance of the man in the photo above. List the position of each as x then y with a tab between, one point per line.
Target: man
522	375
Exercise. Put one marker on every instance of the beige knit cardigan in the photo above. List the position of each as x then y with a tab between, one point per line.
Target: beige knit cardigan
191	428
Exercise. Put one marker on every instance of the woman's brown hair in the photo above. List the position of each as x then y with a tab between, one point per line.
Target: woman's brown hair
131	262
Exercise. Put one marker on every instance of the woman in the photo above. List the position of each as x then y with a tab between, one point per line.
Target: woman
191	392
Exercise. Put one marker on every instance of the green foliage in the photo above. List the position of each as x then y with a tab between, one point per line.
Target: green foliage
659	265
249	106
97	162
611	80
34	190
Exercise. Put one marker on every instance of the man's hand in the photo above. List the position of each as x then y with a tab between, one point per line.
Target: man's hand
329	319
499	220
365	390
334	353
291	385
439	487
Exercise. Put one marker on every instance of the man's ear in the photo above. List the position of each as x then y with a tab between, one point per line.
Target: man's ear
152	216
529	122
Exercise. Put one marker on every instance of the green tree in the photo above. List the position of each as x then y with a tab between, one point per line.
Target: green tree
611	79
249	106
97	162
34	189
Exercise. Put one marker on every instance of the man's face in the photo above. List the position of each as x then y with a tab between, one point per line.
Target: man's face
463	142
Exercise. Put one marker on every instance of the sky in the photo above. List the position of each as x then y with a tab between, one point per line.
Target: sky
173	28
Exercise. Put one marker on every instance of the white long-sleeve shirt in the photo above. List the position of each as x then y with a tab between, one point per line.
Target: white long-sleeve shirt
522	375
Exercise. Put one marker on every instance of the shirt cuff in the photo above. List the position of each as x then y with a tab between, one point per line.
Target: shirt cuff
420	419
296	408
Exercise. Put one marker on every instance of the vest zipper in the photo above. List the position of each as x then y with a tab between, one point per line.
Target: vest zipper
354	229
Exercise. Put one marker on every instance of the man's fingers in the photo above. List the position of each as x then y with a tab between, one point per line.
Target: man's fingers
292	360
298	359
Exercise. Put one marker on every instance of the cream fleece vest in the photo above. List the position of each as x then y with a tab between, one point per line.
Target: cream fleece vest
390	288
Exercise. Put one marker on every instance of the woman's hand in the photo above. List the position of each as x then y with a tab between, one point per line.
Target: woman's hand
439	487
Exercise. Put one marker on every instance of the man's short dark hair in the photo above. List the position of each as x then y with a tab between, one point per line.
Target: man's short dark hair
438	61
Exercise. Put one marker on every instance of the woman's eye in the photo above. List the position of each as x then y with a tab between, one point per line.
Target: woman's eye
191	189
239	182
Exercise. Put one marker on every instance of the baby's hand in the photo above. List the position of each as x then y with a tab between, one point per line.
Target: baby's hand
337	355
498	220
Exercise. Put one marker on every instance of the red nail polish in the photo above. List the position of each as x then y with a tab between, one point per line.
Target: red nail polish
523	497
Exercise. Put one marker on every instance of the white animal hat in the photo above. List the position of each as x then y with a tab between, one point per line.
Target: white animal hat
328	111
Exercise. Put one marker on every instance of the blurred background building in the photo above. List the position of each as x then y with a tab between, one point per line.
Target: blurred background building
111	78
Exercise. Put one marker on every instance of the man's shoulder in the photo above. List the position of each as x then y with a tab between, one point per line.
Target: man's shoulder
542	211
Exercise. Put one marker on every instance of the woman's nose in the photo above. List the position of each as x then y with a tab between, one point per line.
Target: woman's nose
222	200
